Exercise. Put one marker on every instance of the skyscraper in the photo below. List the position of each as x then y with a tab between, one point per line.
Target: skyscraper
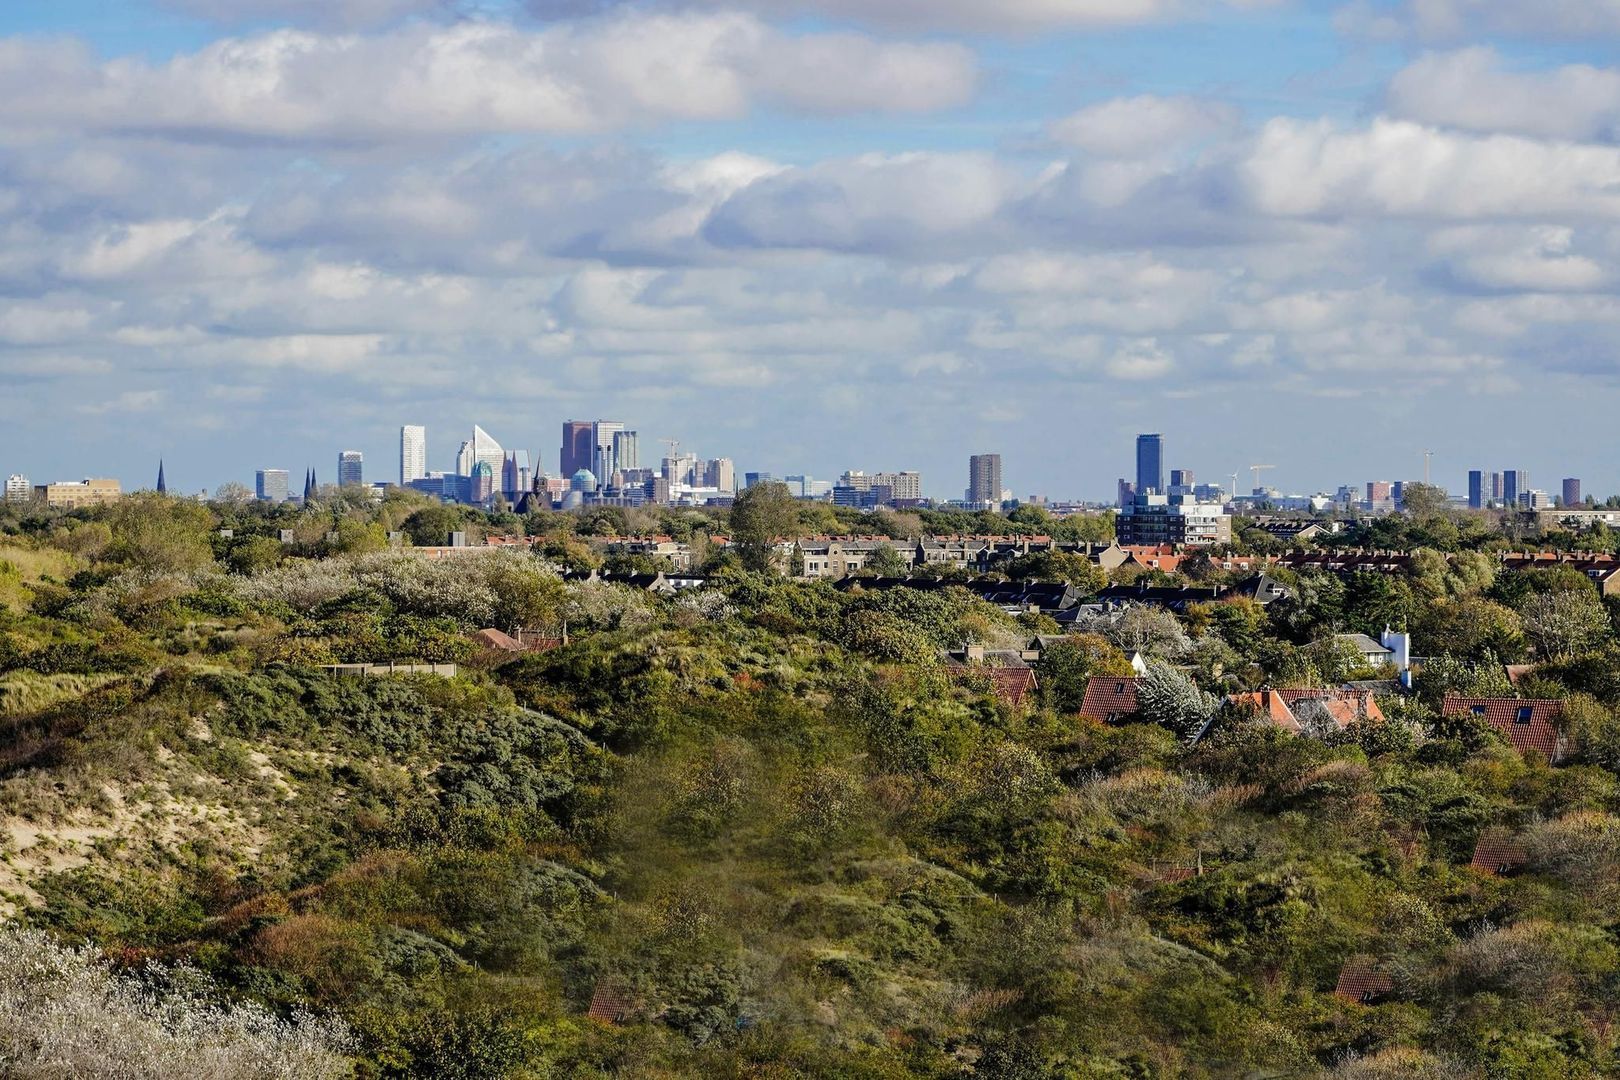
270	485
578	447
482	488
1572	491
1496	487
1181	478
720	473
602	459
626	451
350	468
1150	464
984	481
412	454
481	447
1515	482
1476	489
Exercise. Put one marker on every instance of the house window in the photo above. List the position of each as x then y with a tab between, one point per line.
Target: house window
1523	716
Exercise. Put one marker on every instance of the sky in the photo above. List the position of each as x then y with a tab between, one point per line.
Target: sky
814	235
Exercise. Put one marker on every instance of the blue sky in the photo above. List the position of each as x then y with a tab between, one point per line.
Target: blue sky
814	235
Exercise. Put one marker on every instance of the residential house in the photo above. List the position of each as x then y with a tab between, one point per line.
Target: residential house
1531	726
1498	853
1110	699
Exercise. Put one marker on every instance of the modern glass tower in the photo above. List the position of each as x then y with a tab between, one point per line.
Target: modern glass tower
412	453
1149	464
351	469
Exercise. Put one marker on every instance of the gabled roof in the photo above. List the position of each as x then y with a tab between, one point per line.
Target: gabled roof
1343	707
1363	982
612	1004
1109	697
1497	852
1531	726
498	639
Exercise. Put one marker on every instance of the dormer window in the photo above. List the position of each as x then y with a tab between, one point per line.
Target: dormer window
1523	715
1478	710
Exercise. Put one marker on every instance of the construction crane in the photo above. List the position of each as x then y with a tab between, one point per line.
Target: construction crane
1258	469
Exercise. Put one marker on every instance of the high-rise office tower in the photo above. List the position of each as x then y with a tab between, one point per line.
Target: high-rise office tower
902	485
1380	493
412	453
516	474
626	451
1125	495
1181	478
481	447
351	468
17	488
578	447
720	473
482	488
1496	487
984	481
1476	489
270	485
754	479
603	462
1149	464
1572	491
1515	482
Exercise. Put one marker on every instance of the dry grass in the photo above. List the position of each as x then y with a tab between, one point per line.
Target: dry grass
26	691
21	567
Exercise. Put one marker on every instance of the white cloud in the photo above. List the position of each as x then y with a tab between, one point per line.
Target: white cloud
1471	89
1000	17
1144	126
1519	259
1399	168
420	81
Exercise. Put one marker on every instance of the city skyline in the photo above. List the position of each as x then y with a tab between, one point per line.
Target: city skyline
888	231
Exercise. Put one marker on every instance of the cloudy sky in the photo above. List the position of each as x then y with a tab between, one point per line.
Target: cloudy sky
814	234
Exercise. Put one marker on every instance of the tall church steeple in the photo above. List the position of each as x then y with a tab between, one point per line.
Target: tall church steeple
162	486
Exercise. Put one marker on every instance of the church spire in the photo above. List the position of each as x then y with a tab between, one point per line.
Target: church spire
162	486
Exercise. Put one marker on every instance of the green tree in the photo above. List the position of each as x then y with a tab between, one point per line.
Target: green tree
761	516
155	532
885	561
1564	623
1166	697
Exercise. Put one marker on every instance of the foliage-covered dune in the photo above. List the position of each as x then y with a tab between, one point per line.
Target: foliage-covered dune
763	830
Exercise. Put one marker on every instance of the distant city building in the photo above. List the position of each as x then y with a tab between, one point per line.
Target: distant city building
1572	491
412	453
1515	482
578	447
721	474
482	447
482	488
70	495
516	474
582	481
903	486
1535	499
270	485
1380	495
1181	478
351	468
1124	493
1149	464
1476	489
984	481
754	479
626	451
1496	487
799	486
603	463
1152	519
18	489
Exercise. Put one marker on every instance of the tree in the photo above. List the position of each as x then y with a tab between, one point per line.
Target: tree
886	562
155	532
1564	623
761	516
233	494
1066	666
1166	697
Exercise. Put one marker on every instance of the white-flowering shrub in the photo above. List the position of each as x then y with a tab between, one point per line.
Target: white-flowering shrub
65	1014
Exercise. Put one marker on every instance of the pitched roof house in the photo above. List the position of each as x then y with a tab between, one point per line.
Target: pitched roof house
1291	709
1498	853
1011	677
1531	726
1362	981
1110	698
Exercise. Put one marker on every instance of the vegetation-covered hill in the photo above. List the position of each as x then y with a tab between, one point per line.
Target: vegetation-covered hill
761	830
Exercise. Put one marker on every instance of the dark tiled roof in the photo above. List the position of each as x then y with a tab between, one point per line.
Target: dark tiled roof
1109	697
1498	853
1530	726
1361	981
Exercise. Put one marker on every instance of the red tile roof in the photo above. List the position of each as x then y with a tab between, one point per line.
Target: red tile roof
497	639
611	1004
1497	852
1109	698
1361	981
1530	726
1343	706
